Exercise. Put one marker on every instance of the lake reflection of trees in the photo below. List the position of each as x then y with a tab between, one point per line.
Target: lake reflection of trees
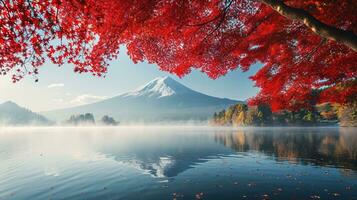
326	146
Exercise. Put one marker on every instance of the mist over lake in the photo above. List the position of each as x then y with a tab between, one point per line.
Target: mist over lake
165	99
178	162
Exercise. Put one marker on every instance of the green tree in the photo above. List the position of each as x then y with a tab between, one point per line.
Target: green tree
265	114
309	117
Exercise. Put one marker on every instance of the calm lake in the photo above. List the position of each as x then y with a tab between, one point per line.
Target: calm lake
178	163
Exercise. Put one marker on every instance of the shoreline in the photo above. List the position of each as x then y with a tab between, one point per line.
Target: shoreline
165	126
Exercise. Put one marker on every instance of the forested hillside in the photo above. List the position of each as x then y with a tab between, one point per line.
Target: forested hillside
262	115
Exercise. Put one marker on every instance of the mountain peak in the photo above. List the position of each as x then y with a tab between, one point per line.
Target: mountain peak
9	103
160	87
13	114
162	78
161	99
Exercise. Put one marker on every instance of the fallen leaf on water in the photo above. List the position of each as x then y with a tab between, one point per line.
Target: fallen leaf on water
199	195
336	194
315	197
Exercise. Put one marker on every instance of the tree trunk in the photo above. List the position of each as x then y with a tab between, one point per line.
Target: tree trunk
345	37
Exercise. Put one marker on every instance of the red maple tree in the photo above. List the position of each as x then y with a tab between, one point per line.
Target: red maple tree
307	47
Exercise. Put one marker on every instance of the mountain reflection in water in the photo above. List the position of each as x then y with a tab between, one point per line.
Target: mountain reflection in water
178	163
166	155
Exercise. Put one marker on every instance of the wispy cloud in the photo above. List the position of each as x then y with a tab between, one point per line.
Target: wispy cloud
54	85
87	98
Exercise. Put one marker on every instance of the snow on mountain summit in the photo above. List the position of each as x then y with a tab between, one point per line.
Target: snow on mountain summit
162	99
160	87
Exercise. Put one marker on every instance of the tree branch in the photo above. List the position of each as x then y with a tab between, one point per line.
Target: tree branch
220	15
345	37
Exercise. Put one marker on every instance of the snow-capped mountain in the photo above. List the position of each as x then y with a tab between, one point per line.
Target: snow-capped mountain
12	114
162	99
160	87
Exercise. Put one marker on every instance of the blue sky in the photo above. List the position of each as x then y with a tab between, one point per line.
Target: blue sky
60	87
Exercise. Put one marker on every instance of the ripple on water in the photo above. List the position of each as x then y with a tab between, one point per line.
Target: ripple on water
178	164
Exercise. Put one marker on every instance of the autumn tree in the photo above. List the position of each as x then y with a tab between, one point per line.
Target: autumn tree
328	111
228	115
239	117
348	115
260	115
302	45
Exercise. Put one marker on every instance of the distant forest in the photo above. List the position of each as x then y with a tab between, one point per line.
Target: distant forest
88	119
262	115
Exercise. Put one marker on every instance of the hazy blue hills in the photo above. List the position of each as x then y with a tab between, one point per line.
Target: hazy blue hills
162	99
12	114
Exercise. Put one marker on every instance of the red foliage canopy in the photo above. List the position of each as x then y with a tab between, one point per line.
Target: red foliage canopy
303	45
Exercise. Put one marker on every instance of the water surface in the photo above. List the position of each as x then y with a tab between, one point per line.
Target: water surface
178	163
